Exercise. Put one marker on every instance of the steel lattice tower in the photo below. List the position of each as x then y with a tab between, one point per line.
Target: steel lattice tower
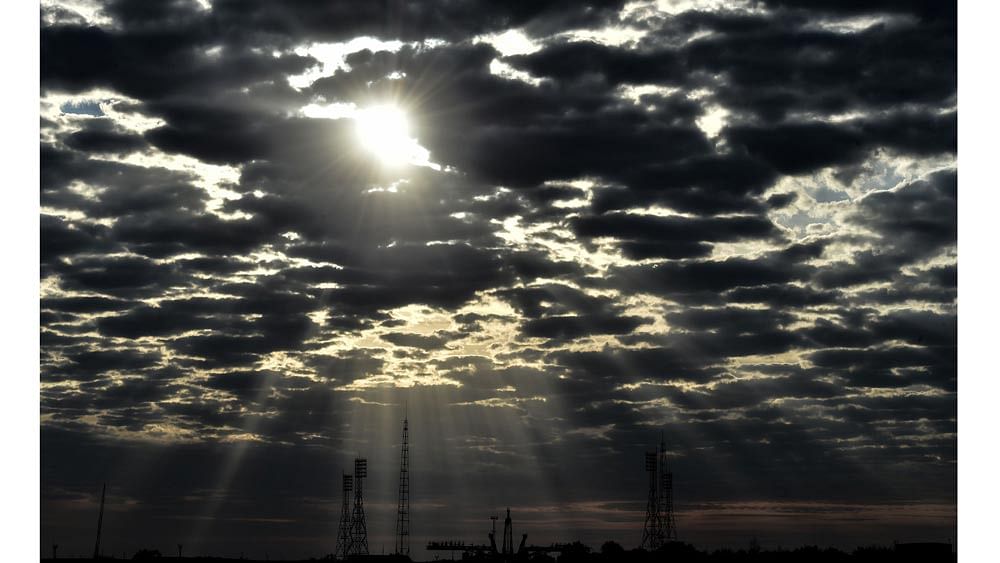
668	527
652	531
359	529
344	531
403	509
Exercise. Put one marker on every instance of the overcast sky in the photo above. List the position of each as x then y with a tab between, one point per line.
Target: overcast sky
733	222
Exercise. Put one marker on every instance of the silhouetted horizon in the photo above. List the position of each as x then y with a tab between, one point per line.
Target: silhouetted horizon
611	552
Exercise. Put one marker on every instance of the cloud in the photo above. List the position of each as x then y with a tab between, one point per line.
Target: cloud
100	137
423	342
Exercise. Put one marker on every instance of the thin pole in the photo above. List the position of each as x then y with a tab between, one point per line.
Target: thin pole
100	521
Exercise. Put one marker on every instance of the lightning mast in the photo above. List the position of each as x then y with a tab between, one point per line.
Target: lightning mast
651	530
100	522
344	531
403	509
668	527
359	529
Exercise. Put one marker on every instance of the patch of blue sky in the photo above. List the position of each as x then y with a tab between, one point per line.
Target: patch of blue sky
83	107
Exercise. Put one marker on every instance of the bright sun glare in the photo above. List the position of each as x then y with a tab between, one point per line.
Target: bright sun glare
385	131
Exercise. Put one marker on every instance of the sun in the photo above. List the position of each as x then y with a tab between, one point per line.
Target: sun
385	132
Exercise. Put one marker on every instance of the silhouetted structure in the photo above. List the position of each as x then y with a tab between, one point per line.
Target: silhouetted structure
180	551
55	549
493	533
490	552
146	555
359	529
668	526
403	509
344	531
660	527
100	522
508	536
651	530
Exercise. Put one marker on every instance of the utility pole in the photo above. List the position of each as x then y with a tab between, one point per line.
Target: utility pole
100	522
403	510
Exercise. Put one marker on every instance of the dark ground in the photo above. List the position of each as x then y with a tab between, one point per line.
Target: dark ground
673	553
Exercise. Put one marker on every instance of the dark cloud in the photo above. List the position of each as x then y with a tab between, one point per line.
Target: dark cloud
578	60
349	366
167	58
566	327
120	189
153	321
780	201
101	137
94	364
780	296
777	66
798	148
706	184
624	366
919	215
714	275
920	328
905	227
224	349
439	275
924	8
247	385
62	238
804	147
892	366
645	236
159	236
84	304
322	21
575	147
120	276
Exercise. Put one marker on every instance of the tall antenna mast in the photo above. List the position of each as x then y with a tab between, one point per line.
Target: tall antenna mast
651	529
100	522
359	529
344	531
403	510
668	527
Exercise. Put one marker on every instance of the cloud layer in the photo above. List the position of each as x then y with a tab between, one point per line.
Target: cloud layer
733	224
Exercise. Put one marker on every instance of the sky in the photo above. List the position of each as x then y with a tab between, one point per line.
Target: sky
546	232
